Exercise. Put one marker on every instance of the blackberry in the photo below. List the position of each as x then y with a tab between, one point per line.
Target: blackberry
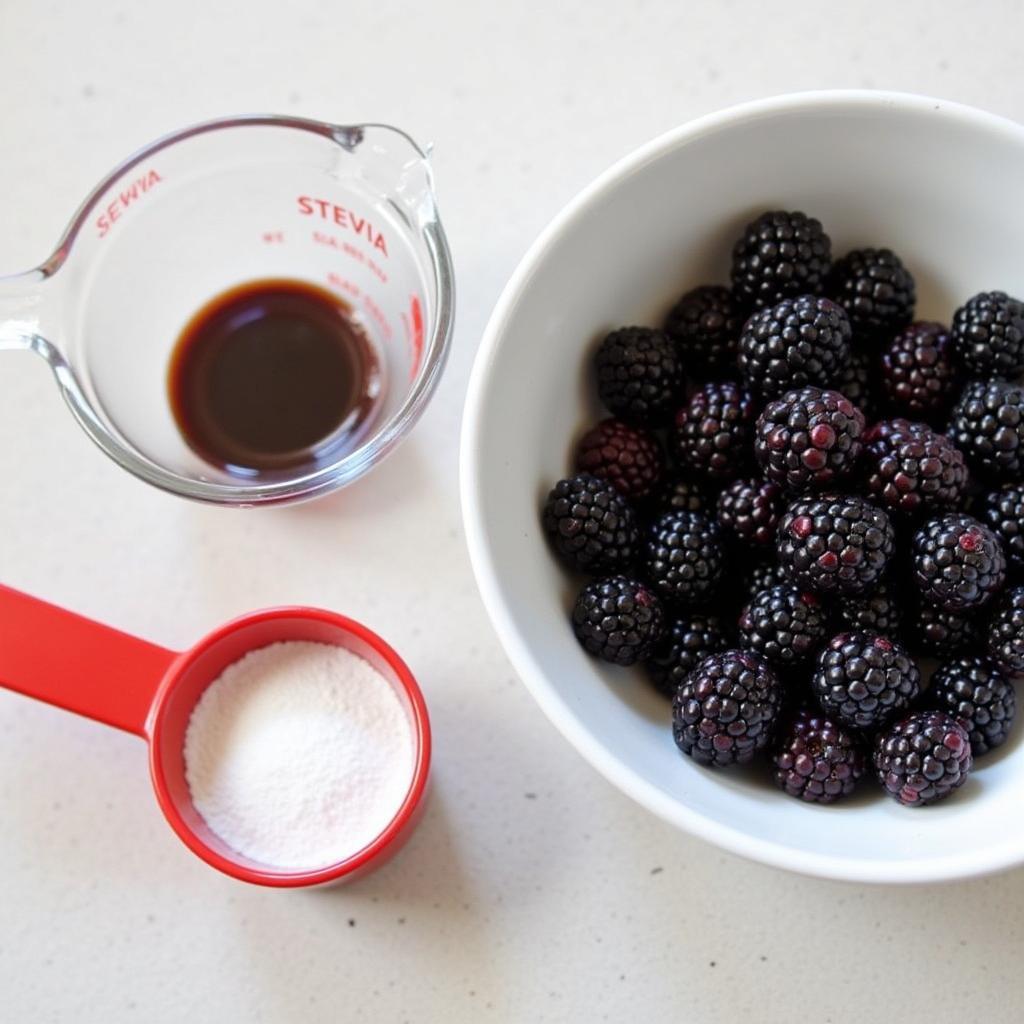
920	376
923	758
749	510
808	438
629	458
779	255
705	325
590	524
783	624
988	427
909	468
939	632
863	679
683	494
975	693
958	562
1005	637
761	576
988	335
880	611
713	431
815	760
857	382
799	341
1003	510
618	619
875	289
684	557
726	708
639	375
835	543
686	643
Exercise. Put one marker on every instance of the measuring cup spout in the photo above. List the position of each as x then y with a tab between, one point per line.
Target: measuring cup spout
20	302
393	163
77	664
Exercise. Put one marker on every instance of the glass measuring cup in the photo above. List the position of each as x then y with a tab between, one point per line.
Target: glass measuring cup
77	664
196	213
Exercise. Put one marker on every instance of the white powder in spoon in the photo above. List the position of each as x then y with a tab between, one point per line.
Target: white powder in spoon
298	754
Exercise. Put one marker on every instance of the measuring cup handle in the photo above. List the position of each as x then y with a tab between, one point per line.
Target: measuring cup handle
82	666
20	300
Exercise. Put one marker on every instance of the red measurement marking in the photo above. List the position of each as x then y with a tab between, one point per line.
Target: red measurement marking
273	237
416	316
127	195
321	238
378	316
377	271
344	218
343	284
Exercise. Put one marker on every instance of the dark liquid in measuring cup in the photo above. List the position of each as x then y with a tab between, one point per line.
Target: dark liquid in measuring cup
272	374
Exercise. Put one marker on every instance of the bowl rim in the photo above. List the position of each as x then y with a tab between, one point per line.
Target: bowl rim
852	869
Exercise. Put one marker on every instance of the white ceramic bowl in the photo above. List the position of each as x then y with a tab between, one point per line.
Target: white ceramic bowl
940	183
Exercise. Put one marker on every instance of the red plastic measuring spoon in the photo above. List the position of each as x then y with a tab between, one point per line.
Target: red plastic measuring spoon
75	663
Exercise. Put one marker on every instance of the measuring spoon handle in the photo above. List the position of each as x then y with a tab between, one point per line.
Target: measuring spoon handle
77	664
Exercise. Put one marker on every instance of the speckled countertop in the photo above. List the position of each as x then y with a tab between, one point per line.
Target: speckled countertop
533	891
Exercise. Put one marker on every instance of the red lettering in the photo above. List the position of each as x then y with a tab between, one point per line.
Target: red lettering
377	314
344	218
343	284
125	198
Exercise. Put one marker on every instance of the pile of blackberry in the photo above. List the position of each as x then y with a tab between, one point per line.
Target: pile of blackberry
804	518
